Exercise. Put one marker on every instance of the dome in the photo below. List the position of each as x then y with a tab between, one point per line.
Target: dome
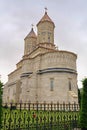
46	18
31	34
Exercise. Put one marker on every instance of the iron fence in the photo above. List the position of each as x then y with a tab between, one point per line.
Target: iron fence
40	116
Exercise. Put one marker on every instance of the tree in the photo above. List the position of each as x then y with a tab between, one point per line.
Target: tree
83	112
1	84
79	97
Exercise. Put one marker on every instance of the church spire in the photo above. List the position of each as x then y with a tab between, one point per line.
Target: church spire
31	33
45	29
30	41
46	18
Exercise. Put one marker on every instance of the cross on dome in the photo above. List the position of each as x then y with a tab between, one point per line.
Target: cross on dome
32	25
45	9
45	18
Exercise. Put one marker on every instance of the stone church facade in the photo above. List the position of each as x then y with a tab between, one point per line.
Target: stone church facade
45	73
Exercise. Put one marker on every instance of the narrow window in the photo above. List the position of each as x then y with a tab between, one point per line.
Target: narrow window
70	85
48	39
51	84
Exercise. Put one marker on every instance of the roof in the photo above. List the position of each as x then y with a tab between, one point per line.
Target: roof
46	18
31	34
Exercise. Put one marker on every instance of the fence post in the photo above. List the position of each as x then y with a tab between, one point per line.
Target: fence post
20	105
69	106
10	120
37	106
57	106
44	105
74	106
51	106
63	106
29	106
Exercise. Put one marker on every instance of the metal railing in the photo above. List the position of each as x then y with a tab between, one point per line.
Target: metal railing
40	116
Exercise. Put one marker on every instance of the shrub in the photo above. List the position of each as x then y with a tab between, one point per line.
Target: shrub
79	97
1	103
83	112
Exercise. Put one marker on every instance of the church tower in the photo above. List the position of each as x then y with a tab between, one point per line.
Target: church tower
30	42
45	30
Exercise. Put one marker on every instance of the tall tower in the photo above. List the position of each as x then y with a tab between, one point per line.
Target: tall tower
30	42
45	29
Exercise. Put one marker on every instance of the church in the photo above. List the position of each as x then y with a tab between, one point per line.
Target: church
44	73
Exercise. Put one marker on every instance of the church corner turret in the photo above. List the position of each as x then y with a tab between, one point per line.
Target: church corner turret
45	30
30	42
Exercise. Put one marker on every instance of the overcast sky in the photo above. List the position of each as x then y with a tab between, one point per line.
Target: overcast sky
16	17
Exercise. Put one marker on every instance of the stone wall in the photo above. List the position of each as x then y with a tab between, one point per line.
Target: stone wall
59	59
60	87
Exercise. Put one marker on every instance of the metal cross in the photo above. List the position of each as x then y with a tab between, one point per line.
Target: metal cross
32	25
45	9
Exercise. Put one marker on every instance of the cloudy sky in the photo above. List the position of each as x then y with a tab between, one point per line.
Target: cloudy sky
16	17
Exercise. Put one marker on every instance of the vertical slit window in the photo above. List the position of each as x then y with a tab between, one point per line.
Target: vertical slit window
48	39
70	88
51	84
